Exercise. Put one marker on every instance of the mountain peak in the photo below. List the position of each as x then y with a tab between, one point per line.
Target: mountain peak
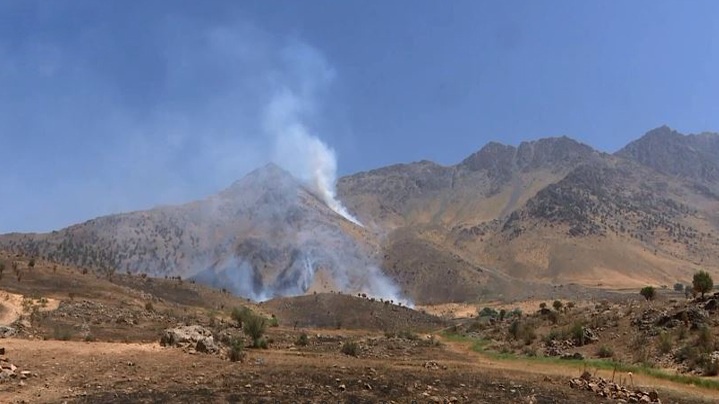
670	152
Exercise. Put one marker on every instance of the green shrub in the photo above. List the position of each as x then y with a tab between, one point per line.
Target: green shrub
254	327
236	350
605	352
702	282
350	348
557	305
665	343
149	306
274	322
241	314
648	292
488	312
302	340
576	332
711	367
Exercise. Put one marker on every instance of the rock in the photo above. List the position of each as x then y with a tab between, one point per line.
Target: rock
574	356
185	336
6	331
654	395
2	350
207	345
712	305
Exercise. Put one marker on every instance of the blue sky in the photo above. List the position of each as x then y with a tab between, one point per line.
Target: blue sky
113	106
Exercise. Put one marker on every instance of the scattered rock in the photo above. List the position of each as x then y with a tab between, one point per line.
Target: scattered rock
195	337
611	390
6	331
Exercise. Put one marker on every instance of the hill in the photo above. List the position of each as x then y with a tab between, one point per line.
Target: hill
505	221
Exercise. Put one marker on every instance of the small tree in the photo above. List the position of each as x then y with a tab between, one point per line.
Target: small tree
648	292
241	314
702	282
557	305
31	264
254	327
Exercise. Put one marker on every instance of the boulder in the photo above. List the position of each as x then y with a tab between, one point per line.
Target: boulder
6	331
207	345
186	336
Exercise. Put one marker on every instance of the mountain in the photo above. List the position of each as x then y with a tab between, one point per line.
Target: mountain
537	219
266	234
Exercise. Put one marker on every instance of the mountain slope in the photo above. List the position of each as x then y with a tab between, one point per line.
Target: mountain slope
505	221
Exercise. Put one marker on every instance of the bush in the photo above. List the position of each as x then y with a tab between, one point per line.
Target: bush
488	312
711	367
705	339
408	335
274	322
522	331
149	306
62	333
302	340
679	287
605	352
254	327
557	305
665	343
702	282
576	332
236	350
241	314
350	348
648	292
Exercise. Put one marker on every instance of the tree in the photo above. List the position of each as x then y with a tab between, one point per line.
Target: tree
702	282
542	305
648	292
557	305
254	327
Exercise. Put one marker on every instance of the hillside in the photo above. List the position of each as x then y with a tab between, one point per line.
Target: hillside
505	221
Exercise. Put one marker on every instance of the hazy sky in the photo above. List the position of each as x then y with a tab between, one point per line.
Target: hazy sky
108	106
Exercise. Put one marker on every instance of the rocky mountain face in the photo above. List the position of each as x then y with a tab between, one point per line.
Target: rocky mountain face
505	221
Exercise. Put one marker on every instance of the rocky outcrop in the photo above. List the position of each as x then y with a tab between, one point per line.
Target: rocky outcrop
193	337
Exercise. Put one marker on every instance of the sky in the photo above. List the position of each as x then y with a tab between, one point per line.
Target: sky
114	106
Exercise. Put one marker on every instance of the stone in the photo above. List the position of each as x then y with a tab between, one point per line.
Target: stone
654	395
6	331
184	336
207	345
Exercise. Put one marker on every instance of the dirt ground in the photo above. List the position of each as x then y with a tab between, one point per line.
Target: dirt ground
88	339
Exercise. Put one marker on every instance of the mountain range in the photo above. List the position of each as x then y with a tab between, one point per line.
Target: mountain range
544	216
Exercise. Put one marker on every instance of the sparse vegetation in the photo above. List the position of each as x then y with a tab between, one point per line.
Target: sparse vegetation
254	326
605	352
302	340
350	348
237	352
702	282
648	292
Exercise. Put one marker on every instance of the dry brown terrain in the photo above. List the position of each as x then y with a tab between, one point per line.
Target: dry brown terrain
96	340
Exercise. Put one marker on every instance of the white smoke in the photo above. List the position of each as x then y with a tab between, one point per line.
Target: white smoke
295	148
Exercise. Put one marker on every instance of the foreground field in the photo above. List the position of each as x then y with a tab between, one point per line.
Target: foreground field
86	339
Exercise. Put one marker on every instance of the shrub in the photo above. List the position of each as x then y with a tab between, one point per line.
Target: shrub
679	287
302	340
553	317
89	338
522	331
605	352
502	314
705	340
488	312
665	343
702	282
576	332
711	367
149	307
241	314
236	350
408	335
542	305
254	327
62	333
557	305
350	348
274	322
648	292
